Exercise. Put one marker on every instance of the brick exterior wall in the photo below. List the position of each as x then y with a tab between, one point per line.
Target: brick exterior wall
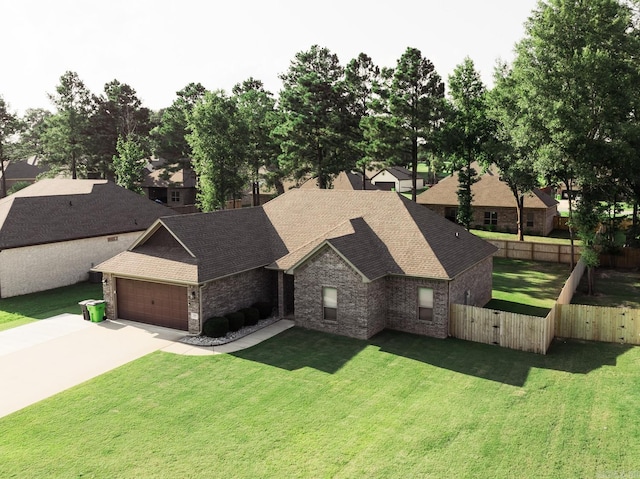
42	267
402	312
361	306
507	219
230	294
477	280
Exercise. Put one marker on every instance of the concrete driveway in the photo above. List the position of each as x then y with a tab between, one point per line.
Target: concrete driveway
40	359
45	357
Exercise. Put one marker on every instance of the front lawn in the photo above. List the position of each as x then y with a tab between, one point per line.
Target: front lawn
526	287
311	405
31	307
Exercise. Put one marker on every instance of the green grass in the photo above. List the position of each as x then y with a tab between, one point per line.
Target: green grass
312	405
24	309
526	287
613	288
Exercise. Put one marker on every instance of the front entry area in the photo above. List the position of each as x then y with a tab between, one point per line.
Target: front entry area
152	303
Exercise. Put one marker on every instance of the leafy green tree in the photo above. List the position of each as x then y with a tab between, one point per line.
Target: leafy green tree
257	107
218	138
574	68
509	149
169	137
466	132
66	132
415	105
119	114
129	162
10	125
314	133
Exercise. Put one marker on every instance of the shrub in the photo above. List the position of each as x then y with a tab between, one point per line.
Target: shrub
236	321
264	307
251	316
216	327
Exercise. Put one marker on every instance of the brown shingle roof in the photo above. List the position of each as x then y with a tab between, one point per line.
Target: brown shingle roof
377	232
53	210
489	191
346	180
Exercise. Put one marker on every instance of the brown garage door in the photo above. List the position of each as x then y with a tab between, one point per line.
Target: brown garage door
153	303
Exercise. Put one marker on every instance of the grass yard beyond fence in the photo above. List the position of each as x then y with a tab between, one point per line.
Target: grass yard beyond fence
526	287
311	405
31	307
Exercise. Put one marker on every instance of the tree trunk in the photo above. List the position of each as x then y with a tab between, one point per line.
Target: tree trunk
571	238
520	212
414	168
364	177
3	193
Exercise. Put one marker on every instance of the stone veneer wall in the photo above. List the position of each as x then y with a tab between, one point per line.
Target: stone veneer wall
478	280
232	293
402	299
361	306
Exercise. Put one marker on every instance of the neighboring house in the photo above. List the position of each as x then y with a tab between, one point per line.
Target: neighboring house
54	231
346	180
22	171
174	188
494	206
344	262
397	178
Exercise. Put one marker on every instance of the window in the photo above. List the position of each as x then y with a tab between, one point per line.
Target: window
529	220
175	197
330	303
425	304
491	218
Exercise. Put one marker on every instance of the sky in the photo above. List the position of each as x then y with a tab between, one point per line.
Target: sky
158	47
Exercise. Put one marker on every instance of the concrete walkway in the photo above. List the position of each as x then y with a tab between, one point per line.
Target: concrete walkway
43	358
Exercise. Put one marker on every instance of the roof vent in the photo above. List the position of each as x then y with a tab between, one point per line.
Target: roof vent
457	235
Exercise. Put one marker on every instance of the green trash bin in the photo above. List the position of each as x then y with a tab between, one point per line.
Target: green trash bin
96	310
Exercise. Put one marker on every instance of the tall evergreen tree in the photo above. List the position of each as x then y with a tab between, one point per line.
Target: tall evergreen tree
466	132
415	105
66	132
314	131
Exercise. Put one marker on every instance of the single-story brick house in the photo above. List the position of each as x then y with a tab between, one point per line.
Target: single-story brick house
54	231
494	206
397	178
345	262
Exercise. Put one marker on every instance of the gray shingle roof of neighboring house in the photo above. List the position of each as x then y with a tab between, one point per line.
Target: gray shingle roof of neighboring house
53	210
377	232
400	172
25	170
489	191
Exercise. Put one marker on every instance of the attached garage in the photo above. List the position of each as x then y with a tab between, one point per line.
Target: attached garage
153	303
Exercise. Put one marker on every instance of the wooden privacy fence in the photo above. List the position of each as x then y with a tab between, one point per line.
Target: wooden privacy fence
556	253
597	323
509	330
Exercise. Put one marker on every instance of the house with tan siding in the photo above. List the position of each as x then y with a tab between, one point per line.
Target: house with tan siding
344	262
